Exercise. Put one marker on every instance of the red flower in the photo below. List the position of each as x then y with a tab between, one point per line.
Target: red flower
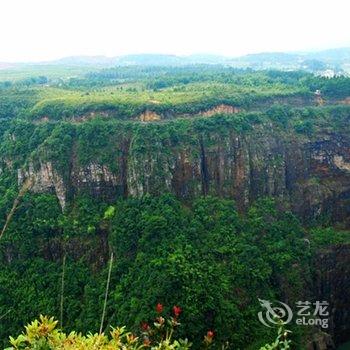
145	326
210	334
177	310
159	308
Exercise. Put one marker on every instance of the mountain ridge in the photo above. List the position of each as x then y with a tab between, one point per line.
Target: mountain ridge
334	56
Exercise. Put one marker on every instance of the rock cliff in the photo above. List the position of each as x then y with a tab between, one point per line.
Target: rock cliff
310	174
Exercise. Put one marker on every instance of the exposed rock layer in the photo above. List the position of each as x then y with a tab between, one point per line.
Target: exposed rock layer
312	175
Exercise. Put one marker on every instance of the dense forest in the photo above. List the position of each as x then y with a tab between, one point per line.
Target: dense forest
211	187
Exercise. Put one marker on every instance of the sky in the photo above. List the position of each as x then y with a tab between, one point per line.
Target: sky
39	30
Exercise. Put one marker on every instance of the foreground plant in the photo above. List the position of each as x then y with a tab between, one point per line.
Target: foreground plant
281	342
42	334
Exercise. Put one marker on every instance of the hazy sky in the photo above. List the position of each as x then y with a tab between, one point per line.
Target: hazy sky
48	29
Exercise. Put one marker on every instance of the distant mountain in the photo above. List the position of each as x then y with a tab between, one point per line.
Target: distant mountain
149	60
142	60
170	60
267	60
332	60
270	56
336	60
85	61
126	60
332	55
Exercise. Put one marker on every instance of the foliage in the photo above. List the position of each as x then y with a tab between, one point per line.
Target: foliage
43	334
281	343
326	236
206	257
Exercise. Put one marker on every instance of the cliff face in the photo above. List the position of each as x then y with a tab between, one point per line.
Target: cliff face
45	179
311	174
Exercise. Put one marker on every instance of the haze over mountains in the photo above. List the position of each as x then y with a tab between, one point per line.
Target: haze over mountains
337	60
